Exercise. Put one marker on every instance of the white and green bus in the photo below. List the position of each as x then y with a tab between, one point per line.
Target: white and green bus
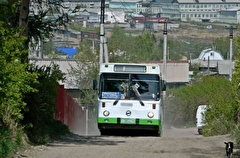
129	98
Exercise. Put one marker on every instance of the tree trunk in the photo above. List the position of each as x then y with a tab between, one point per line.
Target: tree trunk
23	16
23	24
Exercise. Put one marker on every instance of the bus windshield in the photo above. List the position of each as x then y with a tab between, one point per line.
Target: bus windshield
129	86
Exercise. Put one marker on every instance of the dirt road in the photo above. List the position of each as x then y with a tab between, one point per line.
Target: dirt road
175	143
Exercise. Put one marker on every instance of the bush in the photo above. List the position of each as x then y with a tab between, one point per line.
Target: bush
57	129
236	134
220	118
38	120
215	91
50	129
8	144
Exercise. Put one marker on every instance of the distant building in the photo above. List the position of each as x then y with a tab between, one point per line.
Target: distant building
71	4
210	54
204	10
196	10
177	74
184	10
231	16
211	62
166	8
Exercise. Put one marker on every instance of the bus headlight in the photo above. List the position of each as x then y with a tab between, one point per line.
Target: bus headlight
106	113
150	114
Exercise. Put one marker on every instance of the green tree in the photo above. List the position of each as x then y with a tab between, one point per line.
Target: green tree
48	48
36	19
146	48
118	44
222	114
214	91
236	88
116	41
86	71
128	48
15	82
39	121
222	45
236	76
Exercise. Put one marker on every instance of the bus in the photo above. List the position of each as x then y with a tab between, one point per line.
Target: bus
130	98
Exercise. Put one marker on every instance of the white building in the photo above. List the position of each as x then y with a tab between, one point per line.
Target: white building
204	10
184	10
71	4
113	17
231	16
210	54
212	60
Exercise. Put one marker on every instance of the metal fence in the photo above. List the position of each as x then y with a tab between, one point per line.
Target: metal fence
79	119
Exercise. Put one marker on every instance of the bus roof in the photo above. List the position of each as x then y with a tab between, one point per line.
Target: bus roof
130	68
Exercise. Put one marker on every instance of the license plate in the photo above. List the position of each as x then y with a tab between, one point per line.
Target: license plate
128	121
126	104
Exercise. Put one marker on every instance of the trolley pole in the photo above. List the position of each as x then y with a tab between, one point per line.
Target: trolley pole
165	54
231	28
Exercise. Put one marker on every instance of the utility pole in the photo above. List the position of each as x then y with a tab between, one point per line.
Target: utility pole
101	32
165	54
103	40
230	28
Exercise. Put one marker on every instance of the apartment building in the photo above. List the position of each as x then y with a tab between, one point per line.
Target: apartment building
71	4
230	16
166	8
204	10
184	10
130	6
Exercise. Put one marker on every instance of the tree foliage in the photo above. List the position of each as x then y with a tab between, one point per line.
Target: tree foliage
36	19
146	48
118	44
236	89
86	71
127	48
221	116
20	23
15	83
222	45
39	119
214	91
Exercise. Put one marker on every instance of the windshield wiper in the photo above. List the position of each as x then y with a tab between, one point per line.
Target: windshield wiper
115	102
135	89
140	101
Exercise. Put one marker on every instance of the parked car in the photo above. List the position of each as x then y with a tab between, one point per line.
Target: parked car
200	117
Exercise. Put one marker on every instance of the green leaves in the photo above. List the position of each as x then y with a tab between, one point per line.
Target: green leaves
41	104
24	89
14	84
87	69
128	48
214	91
14	80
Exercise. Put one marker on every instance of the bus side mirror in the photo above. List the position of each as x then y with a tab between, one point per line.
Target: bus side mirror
94	84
